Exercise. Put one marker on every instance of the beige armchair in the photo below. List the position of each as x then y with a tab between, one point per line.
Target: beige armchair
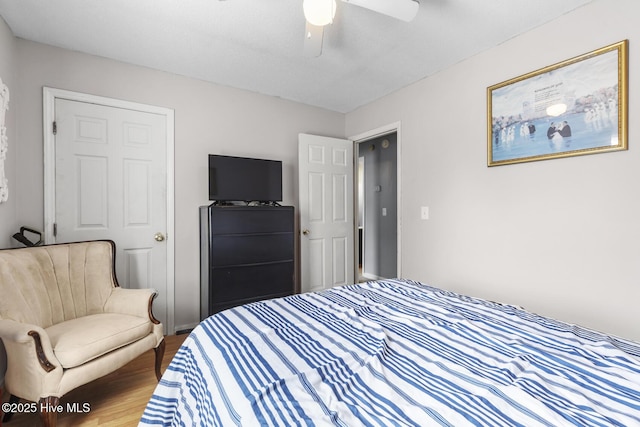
64	320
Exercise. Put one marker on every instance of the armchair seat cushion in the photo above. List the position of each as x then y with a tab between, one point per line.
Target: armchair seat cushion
80	340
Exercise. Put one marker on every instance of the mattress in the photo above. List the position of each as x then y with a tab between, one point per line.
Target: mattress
395	353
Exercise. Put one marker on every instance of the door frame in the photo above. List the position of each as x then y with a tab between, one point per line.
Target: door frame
49	96
357	140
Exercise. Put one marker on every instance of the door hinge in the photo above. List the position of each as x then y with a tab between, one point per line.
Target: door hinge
55	128
55	229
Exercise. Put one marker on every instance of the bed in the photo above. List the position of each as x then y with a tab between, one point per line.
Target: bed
395	353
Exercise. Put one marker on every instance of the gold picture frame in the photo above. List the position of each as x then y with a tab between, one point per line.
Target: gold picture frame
572	108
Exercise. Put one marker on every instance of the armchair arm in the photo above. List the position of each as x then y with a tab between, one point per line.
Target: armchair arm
18	332
134	302
26	338
32	365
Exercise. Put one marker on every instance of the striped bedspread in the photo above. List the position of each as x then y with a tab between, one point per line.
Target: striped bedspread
395	353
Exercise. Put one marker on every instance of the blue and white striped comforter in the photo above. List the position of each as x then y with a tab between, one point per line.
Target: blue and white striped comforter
395	353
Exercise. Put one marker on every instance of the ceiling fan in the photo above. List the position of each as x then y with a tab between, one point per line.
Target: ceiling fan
319	13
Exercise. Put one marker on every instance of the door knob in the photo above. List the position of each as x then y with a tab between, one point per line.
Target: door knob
159	237
305	232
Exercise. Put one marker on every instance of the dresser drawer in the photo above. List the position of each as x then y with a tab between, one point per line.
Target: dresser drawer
248	220
242	283
251	249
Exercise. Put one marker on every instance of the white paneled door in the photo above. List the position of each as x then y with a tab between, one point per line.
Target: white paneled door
111	183
325	188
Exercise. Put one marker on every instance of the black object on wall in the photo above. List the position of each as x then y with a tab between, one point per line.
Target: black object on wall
246	255
22	237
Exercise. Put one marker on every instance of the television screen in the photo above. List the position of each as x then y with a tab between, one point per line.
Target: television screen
244	179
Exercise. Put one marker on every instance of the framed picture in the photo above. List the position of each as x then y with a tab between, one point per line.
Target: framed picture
575	107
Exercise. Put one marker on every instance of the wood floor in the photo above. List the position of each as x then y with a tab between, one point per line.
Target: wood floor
117	399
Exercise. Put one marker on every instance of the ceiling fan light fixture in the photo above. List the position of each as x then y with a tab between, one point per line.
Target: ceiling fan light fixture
405	10
319	12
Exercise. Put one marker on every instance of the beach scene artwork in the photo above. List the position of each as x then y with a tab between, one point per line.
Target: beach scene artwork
572	108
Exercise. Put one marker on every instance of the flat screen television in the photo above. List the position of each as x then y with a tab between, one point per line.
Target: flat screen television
244	179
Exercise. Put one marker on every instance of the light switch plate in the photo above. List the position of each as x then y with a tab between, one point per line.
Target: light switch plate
424	212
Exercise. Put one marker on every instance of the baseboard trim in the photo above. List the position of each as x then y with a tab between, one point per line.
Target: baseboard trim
184	329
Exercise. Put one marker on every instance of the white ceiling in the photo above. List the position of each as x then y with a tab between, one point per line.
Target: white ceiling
258	44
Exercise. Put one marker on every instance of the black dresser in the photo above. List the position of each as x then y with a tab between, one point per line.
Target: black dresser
246	255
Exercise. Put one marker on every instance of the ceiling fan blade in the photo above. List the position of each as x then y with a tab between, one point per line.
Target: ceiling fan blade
404	10
313	35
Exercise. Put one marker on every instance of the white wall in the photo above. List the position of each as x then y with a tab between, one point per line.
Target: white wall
559	237
208	119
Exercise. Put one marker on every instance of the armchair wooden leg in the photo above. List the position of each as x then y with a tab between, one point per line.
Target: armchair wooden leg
159	350
49	417
12	400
